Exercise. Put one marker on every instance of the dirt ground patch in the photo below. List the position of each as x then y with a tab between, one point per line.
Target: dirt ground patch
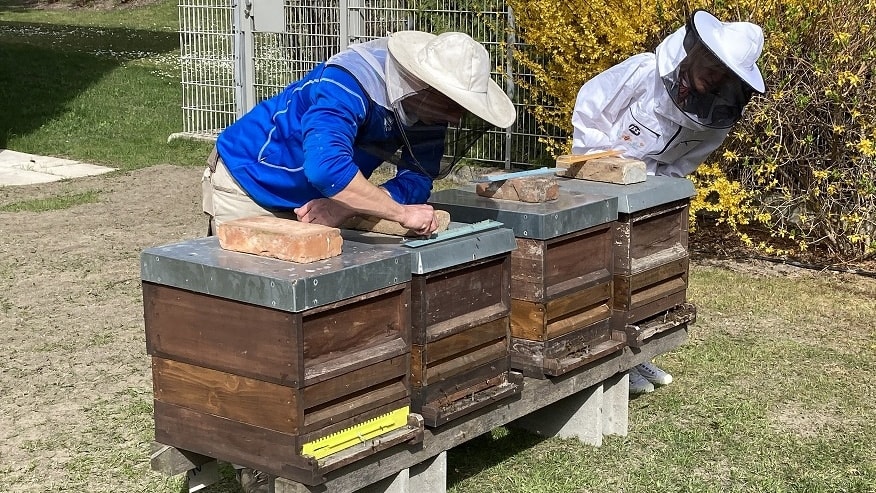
71	316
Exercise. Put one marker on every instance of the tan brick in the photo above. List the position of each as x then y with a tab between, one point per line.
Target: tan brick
531	189
284	239
611	169
387	227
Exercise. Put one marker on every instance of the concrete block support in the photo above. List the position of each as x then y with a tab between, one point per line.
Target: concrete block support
429	476
397	483
616	405
587	415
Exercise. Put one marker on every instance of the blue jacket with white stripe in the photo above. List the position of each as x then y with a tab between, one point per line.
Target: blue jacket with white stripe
310	140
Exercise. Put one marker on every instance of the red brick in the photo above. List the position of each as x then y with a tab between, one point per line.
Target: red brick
532	189
280	238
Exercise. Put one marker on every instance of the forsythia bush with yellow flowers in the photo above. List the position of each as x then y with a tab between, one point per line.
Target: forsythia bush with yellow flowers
801	164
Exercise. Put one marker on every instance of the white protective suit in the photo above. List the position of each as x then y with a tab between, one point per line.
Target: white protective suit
628	107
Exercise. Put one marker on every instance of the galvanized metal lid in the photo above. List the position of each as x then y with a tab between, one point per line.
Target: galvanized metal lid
202	266
654	191
461	243
572	211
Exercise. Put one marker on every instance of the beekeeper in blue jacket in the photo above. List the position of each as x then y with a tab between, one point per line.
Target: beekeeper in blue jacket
307	153
671	109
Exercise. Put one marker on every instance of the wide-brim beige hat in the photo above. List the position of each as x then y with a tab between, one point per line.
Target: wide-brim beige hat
457	66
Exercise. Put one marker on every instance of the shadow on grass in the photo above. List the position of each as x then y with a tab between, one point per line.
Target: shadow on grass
486	451
45	67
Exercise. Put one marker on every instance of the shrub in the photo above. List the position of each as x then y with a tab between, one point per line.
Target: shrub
801	163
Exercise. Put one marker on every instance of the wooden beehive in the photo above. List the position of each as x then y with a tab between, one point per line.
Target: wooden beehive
560	276
254	357
460	308
651	256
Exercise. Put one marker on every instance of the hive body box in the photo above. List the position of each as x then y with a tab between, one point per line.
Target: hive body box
560	276
460	309
254	357
651	256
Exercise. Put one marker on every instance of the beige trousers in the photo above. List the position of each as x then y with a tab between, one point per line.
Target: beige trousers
224	200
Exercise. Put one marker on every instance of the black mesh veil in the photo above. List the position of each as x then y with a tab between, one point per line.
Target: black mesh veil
722	104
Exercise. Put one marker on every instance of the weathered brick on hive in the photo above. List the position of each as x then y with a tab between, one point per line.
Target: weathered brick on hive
610	169
531	189
280	238
385	226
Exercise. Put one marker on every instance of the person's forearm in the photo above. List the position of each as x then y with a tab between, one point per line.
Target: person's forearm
365	198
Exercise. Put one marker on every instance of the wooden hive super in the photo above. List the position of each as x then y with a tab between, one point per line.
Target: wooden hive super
651	257
460	309
560	276
268	364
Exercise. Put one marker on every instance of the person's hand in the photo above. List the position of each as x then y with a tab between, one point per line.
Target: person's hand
420	218
323	211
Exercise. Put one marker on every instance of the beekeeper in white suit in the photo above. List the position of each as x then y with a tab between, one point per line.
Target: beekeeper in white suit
672	108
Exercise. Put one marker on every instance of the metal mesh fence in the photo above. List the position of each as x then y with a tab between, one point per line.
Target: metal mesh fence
207	66
233	56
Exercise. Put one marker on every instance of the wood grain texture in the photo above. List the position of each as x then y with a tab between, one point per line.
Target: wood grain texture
250	401
566	160
543	321
239	443
651	237
223	334
461	363
457	298
351	326
545	269
554	357
631	292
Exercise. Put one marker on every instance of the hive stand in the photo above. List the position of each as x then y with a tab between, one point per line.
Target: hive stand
588	403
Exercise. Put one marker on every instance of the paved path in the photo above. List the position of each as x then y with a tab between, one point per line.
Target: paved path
18	168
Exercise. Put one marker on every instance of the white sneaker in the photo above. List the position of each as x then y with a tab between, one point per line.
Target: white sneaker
653	374
638	384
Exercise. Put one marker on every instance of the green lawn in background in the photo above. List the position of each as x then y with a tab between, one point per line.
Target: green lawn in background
100	86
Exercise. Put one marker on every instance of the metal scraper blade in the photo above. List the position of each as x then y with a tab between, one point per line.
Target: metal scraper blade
516	174
447	234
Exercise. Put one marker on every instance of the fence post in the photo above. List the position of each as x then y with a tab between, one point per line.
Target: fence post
510	40
352	24
244	74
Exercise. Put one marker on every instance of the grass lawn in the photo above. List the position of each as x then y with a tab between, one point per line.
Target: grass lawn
93	85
